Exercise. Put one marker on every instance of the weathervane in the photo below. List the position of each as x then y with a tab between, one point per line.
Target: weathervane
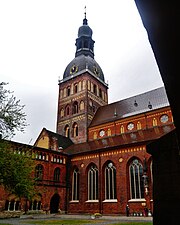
85	11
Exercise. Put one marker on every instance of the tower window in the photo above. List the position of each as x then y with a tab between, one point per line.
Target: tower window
66	130
67	110
68	91
95	89
75	107
75	130
75	88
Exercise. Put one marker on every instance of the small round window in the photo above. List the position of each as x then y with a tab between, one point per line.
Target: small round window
164	118
130	126
102	133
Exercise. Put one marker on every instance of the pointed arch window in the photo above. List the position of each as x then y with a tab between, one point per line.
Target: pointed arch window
75	185
109	132
75	107
75	88
39	172
67	110
154	122
75	130
138	125
110	181
136	180
67	131
57	174
68	91
93	183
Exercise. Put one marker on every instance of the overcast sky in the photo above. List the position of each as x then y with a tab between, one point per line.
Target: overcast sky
37	41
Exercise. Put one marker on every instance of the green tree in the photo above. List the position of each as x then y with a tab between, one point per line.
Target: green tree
16	171
12	117
15	167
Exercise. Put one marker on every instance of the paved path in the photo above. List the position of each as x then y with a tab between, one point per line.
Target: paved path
105	219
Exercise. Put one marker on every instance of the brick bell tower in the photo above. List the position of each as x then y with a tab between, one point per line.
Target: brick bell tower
82	89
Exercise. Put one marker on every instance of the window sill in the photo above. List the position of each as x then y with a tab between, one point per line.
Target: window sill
74	201
92	201
137	200
110	200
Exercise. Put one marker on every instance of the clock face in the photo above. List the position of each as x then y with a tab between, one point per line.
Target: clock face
96	71
73	69
164	118
130	126
102	133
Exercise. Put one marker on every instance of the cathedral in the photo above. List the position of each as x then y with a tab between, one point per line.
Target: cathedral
96	161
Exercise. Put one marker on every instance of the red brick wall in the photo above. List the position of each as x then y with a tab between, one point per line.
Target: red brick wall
120	159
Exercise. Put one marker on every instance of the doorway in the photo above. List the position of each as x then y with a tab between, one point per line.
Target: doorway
54	203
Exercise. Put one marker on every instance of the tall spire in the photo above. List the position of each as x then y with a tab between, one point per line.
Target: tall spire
84	42
85	20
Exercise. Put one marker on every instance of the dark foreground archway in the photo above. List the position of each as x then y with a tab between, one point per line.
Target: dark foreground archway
54	203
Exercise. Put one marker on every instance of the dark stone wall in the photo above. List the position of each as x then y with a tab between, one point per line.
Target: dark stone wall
166	179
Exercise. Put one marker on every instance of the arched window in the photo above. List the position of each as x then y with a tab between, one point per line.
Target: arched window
57	174
75	107
138	125
75	130
110	181
35	205
93	183
68	91
109	132
75	185
12	205
67	110
122	129
136	180
154	122
39	172
62	113
75	88
66	131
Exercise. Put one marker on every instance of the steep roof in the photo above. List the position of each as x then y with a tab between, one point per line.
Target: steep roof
120	140
137	104
62	141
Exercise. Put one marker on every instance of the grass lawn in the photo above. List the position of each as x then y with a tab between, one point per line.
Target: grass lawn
77	222
132	223
60	222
